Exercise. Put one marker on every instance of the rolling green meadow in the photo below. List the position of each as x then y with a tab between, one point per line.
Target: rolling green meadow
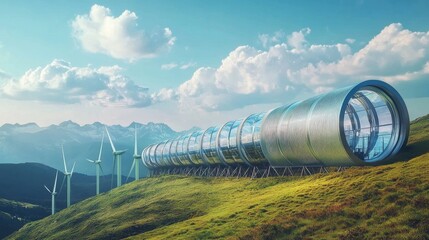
384	202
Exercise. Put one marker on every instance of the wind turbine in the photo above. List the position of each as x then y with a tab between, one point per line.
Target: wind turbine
53	193
98	166
68	176
117	157
136	157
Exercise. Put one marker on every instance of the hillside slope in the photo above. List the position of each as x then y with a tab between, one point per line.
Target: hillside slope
13	215
365	202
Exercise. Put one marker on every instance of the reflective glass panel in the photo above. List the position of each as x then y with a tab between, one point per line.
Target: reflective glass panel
233	149
194	147
207	144
250	138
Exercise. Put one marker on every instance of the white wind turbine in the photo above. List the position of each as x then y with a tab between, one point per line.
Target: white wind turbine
117	156
136	157
53	193
68	176
98	166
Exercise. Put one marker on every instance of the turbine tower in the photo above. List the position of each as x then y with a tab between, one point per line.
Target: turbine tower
53	193
68	176
98	166
136	157
117	157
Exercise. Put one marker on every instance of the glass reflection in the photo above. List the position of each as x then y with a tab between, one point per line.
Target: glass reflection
369	123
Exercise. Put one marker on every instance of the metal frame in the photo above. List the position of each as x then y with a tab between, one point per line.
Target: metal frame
245	171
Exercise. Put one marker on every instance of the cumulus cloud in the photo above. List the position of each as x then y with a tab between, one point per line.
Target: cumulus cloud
395	54
267	40
295	67
119	37
165	94
59	82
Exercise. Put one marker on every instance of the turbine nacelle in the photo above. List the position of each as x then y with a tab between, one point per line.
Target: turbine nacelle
52	193
119	152
71	172
94	161
67	173
54	189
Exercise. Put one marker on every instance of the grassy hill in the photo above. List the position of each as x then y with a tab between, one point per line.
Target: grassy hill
13	215
383	202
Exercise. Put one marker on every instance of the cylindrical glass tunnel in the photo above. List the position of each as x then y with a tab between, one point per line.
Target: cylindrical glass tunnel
365	124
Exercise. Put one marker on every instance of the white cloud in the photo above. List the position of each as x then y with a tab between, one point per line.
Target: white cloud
168	66
350	40
392	53
187	65
282	73
163	95
119	37
267	40
291	70
297	39
59	82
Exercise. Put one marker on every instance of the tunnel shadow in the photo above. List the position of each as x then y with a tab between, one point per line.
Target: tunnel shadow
413	150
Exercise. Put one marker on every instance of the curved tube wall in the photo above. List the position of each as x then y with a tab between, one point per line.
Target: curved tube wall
364	124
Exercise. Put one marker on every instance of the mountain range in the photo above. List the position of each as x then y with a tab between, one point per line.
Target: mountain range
32	143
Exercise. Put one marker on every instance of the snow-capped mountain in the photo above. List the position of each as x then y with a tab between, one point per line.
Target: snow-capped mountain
31	143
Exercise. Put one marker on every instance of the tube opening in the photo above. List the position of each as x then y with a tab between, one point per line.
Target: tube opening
371	124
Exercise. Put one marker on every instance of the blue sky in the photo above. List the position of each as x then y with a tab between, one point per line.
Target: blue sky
170	61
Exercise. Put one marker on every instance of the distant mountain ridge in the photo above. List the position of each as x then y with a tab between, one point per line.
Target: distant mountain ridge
32	143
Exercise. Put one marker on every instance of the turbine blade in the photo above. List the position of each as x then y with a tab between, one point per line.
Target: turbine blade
71	173
48	189
99	164
101	147
62	184
64	159
131	169
55	184
89	160
135	140
110	139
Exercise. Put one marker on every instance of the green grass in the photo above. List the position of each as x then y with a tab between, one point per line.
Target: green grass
13	215
4	203
384	202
